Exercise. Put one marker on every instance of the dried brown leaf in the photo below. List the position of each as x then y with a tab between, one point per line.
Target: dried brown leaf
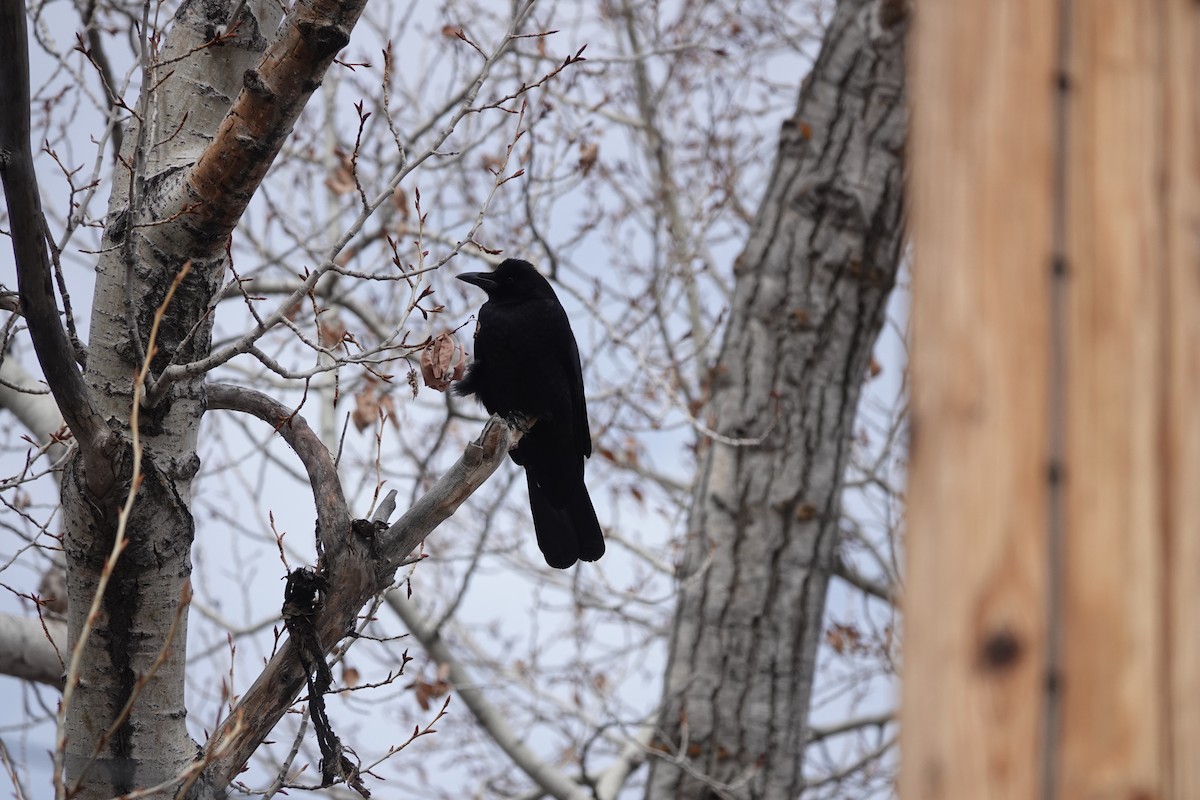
332	330
443	361
341	179
589	153
400	201
366	408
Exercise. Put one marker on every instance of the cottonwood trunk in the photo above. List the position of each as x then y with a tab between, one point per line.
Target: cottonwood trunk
810	294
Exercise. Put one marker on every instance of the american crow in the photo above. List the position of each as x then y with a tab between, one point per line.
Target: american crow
527	362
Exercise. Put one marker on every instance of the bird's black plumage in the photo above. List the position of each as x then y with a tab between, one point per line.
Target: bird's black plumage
527	362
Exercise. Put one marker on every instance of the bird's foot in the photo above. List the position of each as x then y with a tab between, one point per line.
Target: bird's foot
520	421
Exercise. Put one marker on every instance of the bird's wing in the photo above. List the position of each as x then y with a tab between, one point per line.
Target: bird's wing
564	359
579	419
568	358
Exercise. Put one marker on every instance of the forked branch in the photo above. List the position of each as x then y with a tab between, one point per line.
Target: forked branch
360	562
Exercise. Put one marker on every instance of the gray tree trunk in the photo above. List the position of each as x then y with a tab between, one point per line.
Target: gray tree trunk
811	290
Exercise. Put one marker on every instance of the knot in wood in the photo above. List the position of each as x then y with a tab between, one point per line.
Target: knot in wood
1000	650
252	82
326	39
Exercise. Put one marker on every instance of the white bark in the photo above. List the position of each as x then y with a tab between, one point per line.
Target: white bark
34	408
27	653
130	652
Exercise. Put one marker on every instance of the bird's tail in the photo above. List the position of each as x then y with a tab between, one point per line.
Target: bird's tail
588	536
568	533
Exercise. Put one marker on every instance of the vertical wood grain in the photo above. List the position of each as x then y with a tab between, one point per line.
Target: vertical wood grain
982	191
1112	590
1181	181
1124	603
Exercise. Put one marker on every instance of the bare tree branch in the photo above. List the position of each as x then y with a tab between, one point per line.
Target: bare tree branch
853	576
96	53
220	185
30	651
818	732
332	513
360	566
50	340
19	393
545	775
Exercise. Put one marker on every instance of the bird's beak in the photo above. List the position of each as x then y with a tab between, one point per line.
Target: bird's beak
484	280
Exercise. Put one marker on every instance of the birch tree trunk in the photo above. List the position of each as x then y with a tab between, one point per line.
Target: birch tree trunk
811	290
212	115
142	622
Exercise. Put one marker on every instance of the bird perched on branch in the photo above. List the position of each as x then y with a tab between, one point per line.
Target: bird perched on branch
527	363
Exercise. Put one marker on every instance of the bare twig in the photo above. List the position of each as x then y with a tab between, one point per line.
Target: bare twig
493	719
28	227
362	565
18	788
246	342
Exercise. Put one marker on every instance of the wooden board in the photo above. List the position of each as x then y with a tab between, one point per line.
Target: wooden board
1025	675
982	202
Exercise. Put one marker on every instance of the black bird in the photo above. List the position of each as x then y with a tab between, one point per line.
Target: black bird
527	362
